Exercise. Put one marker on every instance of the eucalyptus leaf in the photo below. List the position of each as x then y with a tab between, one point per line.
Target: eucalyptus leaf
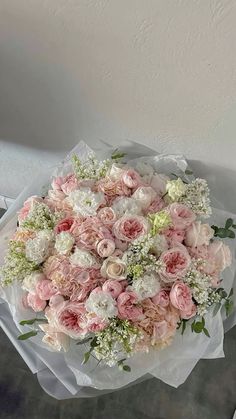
228	307
188	172
116	155
184	323
94	343
221	232
231	234
198	327
82	342
229	223
27	335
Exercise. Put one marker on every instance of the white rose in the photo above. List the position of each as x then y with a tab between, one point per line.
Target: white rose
30	281
114	268
64	242
198	234
158	183
101	304
147	286
144	196
38	248
221	253
123	206
83	259
176	189
86	202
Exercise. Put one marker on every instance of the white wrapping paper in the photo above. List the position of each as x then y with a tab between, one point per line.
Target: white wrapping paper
62	375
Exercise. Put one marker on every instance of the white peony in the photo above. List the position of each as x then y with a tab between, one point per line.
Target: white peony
83	258
101	304
126	206
38	248
86	202
144	196
147	286
30	281
64	242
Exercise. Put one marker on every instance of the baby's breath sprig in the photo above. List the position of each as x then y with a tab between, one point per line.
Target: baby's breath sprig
16	266
91	168
40	217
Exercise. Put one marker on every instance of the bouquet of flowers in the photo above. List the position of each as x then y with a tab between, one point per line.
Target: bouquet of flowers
116	259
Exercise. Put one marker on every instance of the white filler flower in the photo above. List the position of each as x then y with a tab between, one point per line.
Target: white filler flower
64	243
83	259
146	286
38	248
86	202
101	304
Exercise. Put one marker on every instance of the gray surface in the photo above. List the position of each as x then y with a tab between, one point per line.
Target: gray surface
208	393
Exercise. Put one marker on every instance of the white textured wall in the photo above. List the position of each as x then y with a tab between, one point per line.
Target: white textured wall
162	72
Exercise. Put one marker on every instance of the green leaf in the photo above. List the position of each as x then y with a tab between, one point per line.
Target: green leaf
126	368
188	172
217	307
198	327
184	323
173	174
229	222
94	343
86	357
27	335
116	155
228	307
192	326
214	227
121	361
206	332
32	321
203	321
234	226
231	234
221	232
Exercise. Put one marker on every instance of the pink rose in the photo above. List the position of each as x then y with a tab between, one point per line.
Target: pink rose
181	297
189	313
56	183
55	300
200	252
127	306
131	178
45	289
56	340
70	183
221	253
160	330
182	217
113	287
129	228
96	324
174	236
64	225
35	302
161	299
113	188
56	201
106	247
114	268
117	253
107	215
28	205
155	206
69	318
198	234
175	263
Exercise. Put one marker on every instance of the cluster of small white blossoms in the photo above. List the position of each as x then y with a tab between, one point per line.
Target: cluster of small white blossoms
201	287
91	168
40	218
116	340
139	259
16	264
196	197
